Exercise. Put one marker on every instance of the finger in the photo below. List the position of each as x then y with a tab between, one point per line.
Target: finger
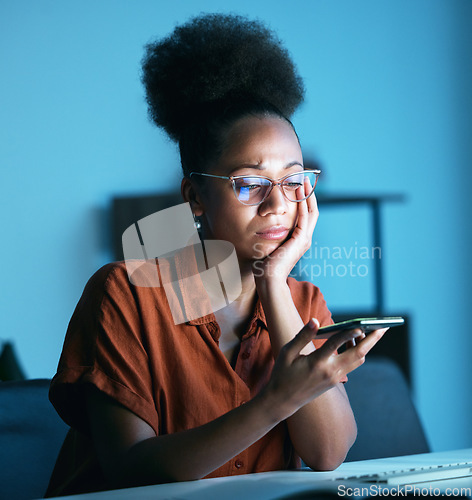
335	332
307	185
368	342
302	206
307	208
304	336
353	342
338	339
311	203
354	357
350	343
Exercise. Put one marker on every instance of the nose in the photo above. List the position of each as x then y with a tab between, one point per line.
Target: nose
275	203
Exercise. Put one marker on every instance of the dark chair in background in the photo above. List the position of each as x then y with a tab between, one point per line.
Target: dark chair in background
10	368
31	435
387	421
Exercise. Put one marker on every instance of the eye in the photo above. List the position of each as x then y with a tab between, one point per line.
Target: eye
251	187
250	183
294	182
292	185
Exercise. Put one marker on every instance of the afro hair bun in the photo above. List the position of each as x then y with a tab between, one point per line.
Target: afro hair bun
214	58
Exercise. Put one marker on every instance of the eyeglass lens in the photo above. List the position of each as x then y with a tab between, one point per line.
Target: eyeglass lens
253	190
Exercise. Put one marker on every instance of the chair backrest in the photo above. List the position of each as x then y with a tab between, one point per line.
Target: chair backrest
10	368
31	434
387	421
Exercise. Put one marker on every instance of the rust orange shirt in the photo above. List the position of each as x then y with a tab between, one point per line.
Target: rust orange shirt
122	340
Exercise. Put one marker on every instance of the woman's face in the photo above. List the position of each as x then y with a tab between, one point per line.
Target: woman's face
264	146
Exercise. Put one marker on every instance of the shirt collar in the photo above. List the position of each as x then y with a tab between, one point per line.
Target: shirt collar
185	265
257	317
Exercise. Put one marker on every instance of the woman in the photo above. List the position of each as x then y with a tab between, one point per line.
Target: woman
150	401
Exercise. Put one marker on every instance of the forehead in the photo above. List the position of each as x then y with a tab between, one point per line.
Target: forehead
260	141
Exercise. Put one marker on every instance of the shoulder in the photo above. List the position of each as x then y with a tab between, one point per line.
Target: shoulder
123	276
118	289
103	281
109	273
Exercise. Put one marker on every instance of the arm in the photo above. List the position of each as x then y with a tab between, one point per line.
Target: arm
323	430
131	454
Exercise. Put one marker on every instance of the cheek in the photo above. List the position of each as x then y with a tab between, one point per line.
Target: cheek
230	221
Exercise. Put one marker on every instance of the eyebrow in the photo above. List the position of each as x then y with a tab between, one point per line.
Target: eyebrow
262	167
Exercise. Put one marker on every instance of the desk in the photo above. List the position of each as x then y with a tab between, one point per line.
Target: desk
288	484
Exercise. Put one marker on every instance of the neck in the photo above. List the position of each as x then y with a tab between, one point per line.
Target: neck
239	310
248	283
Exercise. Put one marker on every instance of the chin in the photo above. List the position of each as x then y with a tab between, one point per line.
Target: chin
262	249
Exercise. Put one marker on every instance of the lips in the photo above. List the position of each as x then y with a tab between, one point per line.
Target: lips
273	233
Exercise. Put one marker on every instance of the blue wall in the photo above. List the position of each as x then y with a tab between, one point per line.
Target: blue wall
388	109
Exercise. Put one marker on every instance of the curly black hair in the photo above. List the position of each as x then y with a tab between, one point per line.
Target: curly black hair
212	71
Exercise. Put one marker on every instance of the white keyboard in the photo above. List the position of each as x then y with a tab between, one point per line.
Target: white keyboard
415	475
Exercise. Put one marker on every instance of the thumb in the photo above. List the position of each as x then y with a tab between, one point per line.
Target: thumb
303	337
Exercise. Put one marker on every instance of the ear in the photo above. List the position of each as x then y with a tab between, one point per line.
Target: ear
191	195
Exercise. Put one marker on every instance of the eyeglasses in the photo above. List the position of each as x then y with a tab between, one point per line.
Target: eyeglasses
254	189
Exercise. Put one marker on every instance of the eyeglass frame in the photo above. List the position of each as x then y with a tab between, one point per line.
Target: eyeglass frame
279	182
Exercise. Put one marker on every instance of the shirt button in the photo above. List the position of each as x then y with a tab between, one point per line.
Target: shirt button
245	355
238	464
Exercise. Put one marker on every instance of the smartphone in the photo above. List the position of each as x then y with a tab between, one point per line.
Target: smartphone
365	324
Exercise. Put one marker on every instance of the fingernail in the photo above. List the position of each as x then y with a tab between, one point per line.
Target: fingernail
314	323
